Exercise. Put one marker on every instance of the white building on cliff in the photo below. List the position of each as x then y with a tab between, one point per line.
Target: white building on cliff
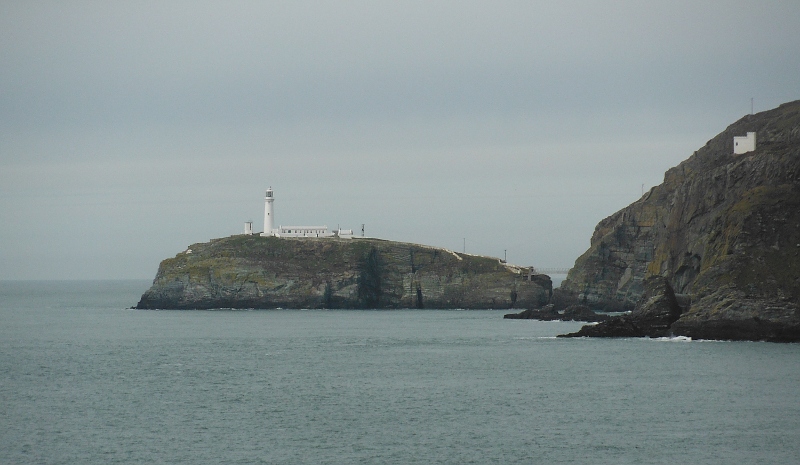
744	144
292	231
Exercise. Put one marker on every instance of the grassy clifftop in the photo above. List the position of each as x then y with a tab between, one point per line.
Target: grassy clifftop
270	272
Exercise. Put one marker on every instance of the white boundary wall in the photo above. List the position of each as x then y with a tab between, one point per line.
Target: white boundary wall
302	231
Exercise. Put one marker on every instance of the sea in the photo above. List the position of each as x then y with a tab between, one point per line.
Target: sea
84	379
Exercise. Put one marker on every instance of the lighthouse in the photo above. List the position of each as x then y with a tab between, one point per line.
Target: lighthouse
293	231
269	216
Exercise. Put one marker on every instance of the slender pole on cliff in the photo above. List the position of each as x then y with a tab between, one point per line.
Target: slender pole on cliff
751	105
465	246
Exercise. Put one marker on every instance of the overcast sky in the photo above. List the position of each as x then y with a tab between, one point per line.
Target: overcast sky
129	130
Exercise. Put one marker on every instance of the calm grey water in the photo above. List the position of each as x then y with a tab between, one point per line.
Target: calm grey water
85	380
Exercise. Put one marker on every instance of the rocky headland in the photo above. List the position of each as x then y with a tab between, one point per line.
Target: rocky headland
713	252
250	271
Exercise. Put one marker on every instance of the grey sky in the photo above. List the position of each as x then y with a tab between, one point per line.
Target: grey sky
129	130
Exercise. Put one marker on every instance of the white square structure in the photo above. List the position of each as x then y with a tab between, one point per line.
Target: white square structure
744	144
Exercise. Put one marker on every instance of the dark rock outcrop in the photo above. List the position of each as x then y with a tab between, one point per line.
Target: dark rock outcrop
546	313
270	272
723	229
550	313
582	313
656	311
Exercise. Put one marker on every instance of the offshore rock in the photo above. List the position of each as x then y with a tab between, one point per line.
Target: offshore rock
549	313
546	313
723	229
656	311
582	313
270	272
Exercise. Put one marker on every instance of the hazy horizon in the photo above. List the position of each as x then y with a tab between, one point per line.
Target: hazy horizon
129	131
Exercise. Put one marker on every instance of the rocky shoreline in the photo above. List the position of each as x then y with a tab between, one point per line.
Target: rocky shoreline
657	310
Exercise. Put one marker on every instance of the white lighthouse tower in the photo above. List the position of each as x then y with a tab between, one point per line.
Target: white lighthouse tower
269	216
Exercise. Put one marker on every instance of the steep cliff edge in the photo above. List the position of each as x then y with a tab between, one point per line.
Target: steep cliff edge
723	229
270	272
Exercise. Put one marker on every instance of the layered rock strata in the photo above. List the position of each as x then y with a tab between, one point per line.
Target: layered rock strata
269	272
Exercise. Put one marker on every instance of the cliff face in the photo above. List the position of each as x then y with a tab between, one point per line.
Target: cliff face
723	229
270	272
